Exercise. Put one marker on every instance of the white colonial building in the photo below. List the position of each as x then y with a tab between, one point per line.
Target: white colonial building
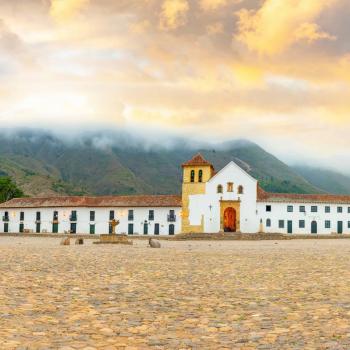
153	215
227	201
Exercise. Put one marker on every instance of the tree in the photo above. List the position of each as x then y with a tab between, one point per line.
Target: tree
9	190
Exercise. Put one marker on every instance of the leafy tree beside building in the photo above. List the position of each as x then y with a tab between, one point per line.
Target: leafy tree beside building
9	189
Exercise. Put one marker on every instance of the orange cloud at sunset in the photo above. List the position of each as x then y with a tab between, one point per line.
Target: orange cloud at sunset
65	9
216	69
173	13
279	24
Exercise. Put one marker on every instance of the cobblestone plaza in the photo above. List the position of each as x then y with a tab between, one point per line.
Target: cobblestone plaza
186	295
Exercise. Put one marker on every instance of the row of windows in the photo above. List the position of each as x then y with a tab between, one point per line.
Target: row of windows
313	209
171	229
92	228
74	216
220	188
281	223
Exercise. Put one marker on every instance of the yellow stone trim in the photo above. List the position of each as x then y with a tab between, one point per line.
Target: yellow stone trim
193	188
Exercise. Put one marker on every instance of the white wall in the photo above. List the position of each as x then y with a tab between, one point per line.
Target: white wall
83	219
279	212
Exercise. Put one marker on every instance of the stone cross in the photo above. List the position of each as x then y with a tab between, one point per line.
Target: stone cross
114	224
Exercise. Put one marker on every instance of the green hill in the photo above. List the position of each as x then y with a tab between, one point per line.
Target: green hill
325	179
119	163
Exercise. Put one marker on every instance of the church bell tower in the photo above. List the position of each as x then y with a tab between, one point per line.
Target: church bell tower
196	172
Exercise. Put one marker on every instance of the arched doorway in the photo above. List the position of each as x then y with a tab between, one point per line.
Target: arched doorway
314	227
230	220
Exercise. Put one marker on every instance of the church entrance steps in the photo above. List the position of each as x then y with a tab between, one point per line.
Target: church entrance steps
253	236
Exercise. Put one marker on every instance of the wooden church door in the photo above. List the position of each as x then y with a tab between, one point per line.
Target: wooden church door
230	220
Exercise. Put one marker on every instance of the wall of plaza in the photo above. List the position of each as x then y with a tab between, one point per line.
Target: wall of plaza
151	221
304	218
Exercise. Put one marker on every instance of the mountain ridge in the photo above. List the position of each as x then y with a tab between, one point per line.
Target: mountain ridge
116	163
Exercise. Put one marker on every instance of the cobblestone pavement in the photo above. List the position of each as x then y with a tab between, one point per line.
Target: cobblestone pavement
186	295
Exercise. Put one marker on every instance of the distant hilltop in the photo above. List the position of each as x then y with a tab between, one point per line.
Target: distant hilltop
118	163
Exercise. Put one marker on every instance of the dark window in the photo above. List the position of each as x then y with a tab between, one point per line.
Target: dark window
111	215
171	229
55	215
6	216
171	216
110	229
92	228
92	215
327	209
327	224
21	228
73	216
21	216
200	176
156	229
290	208
192	175
281	223
339	209
302	209
349	210
240	189
130	229
131	215
38	227
38	216
301	223
314	209
268	208
6	227
268	222
230	187
348	224
145	228
151	215
220	189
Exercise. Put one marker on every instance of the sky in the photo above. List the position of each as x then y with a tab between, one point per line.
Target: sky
271	71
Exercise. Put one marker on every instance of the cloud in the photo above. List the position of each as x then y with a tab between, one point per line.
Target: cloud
63	10
174	65
209	5
215	28
311	32
174	14
277	25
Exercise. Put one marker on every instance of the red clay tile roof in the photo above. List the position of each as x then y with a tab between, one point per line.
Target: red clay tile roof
301	198
197	160
103	201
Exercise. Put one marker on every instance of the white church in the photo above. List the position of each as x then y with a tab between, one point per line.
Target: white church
229	200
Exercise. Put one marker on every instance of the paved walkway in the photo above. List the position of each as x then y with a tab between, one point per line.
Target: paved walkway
186	295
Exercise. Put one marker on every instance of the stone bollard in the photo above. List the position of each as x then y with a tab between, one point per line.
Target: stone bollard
65	241
79	241
153	243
